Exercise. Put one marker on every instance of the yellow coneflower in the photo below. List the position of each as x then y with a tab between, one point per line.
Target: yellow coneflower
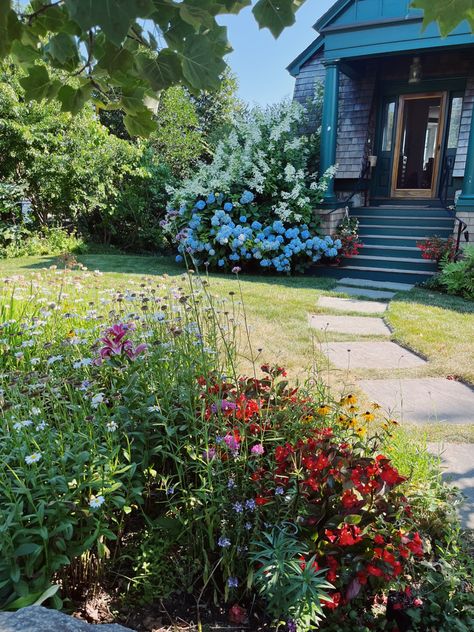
342	419
368	416
324	409
375	405
349	400
353	422
71	334
353	409
361	431
307	419
393	422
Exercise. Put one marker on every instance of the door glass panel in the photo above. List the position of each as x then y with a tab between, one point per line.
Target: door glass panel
419	140
388	123
455	122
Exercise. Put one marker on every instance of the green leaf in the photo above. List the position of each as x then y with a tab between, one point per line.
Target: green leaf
115	17
448	13
196	16
201	67
161	71
36	84
275	15
115	58
62	51
132	100
353	519
141	124
28	548
10	27
72	99
33	599
24	54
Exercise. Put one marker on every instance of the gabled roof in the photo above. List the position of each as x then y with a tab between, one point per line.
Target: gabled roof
295	66
331	14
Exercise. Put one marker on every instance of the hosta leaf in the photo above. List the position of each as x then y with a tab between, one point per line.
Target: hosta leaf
72	99
201	67
115	17
276	15
448	13
141	124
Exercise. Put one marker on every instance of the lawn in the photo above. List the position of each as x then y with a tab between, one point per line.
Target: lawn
439	327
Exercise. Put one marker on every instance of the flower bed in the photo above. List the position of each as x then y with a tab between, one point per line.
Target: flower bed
133	448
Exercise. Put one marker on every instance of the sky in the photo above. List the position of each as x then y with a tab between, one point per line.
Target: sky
260	61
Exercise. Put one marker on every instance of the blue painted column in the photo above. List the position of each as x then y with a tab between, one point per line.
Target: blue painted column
466	199
329	125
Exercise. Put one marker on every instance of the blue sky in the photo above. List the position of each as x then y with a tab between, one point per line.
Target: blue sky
260	61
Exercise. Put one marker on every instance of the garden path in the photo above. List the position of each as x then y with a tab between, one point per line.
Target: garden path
419	400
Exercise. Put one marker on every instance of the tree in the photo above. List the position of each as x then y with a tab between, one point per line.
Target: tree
137	47
448	13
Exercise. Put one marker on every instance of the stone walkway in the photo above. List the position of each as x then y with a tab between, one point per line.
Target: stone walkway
419	400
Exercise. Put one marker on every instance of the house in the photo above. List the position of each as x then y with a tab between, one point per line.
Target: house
397	120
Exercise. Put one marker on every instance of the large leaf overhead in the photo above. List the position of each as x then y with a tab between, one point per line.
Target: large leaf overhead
448	13
132	49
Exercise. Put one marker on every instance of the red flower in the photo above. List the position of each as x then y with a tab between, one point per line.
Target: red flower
335	603
260	500
374	570
349	535
331	536
349	499
237	614
379	539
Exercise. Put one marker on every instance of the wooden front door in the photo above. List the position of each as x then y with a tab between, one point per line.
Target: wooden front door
418	141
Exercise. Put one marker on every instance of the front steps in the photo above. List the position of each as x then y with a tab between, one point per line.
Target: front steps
390	233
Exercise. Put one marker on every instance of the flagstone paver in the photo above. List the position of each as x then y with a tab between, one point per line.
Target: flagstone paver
423	400
364	292
457	461
371	355
381	285
358	325
351	305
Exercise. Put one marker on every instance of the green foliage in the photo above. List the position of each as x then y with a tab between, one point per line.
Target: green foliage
448	14
457	277
292	590
18	241
119	43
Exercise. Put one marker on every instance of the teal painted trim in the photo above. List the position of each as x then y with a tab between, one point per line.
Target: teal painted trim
466	199
295	67
394	38
331	14
329	126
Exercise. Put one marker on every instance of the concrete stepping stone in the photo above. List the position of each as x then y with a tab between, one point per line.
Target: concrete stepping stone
457	461
352	305
367	293
371	355
358	325
423	400
380	285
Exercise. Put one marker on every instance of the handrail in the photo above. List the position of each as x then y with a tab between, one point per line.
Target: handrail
363	176
462	230
448	166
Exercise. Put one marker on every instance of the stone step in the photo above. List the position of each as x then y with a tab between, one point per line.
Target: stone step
351	305
411	264
383	275
370	355
397	287
376	228
356	325
407	221
364	292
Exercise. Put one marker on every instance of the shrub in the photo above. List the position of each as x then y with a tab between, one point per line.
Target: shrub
457	277
224	232
255	202
19	241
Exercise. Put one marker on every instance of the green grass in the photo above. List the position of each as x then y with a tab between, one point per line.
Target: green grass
435	325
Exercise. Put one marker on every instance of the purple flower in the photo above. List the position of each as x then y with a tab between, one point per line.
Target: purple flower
226	405
231	442
223	542
279	491
170	491
209	454
238	507
233	582
231	483
248	525
291	625
258	449
250	504
236	269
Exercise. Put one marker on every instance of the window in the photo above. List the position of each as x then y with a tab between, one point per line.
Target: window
455	122
388	123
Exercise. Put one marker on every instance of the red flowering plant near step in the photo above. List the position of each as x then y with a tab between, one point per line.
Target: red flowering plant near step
436	248
282	456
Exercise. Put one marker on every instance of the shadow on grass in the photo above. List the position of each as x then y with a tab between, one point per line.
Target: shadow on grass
159	265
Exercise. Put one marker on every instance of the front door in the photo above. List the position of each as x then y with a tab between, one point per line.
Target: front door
418	141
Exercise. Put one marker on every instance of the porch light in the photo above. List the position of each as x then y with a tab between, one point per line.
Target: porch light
415	71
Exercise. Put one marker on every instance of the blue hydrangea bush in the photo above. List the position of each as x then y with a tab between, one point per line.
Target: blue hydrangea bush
253	205
224	232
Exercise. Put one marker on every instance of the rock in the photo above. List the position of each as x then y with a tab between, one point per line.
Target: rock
39	619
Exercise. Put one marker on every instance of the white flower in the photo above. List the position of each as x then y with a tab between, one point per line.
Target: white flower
51	360
154	409
33	458
111	426
22	424
96	501
35	411
97	399
41	426
35	361
19	355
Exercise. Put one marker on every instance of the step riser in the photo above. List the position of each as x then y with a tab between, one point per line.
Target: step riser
408	222
388	276
376	250
398	231
385	241
421	266
397	212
